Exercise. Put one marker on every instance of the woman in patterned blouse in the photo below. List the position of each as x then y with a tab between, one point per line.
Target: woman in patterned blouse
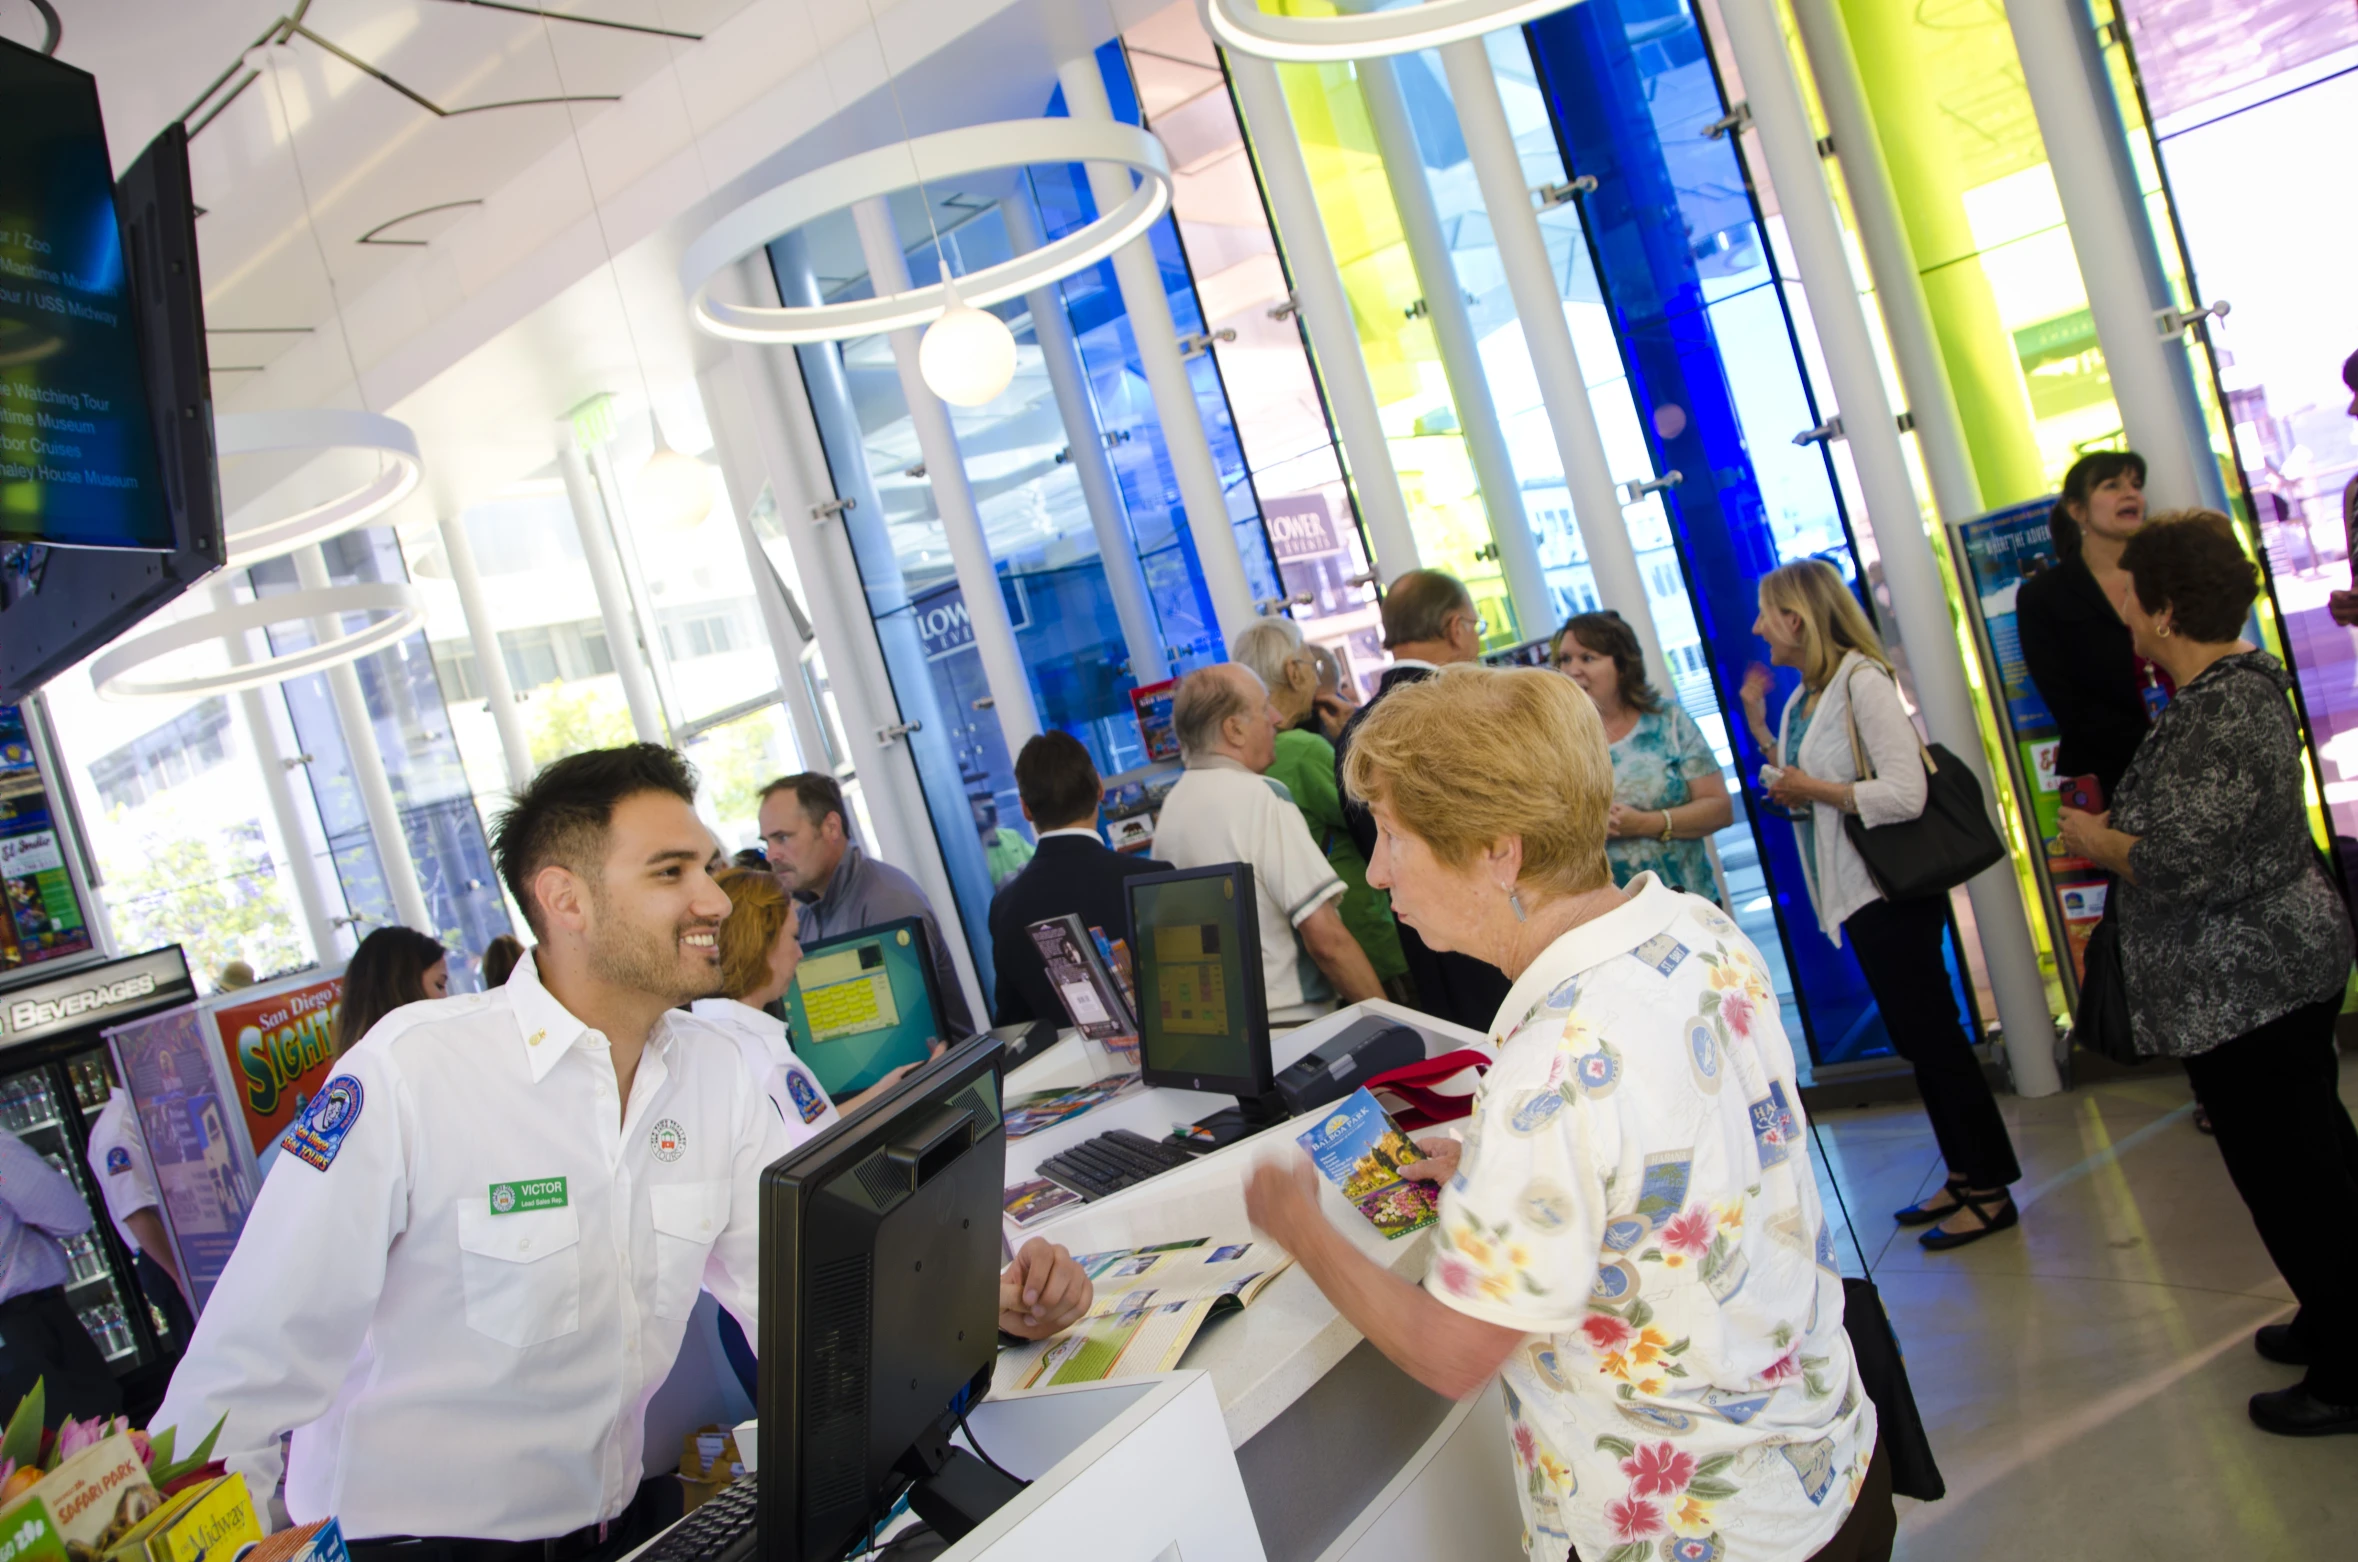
1629	1236
1668	794
2234	947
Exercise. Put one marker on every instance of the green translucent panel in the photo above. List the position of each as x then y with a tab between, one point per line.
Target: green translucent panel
1421	424
2004	291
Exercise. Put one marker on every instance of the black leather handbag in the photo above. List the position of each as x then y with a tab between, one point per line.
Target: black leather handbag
1949	842
2101	1024
1883	1369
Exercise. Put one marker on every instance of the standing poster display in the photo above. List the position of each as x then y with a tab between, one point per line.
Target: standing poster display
279	1042
195	1136
1995	554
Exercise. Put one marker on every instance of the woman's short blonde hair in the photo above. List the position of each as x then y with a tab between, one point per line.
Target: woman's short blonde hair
1473	755
1832	622
758	908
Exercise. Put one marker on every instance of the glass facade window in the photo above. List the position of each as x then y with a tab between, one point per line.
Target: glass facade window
417	741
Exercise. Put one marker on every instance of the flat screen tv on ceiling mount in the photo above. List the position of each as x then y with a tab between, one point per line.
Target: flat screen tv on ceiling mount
78	465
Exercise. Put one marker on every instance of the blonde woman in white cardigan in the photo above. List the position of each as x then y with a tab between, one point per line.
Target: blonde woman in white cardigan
1813	624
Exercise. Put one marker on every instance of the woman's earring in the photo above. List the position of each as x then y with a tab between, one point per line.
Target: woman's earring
2161	631
1515	901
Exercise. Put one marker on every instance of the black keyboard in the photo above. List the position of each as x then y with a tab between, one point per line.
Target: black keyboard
720	1531
1111	1162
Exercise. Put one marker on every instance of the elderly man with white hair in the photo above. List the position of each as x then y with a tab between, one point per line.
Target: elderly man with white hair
1224	809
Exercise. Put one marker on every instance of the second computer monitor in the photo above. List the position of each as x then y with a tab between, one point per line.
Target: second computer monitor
864	1003
1203	1016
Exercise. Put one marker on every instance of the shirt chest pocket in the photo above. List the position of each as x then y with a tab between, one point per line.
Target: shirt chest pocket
521	1271
689	1217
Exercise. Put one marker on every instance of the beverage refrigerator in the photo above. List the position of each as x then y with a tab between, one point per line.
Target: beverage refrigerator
55	1076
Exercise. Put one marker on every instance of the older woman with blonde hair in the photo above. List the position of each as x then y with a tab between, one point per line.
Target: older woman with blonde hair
1629	1234
1813	624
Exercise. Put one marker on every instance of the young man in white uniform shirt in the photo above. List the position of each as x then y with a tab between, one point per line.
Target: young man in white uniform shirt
126	1178
474	1263
1225	810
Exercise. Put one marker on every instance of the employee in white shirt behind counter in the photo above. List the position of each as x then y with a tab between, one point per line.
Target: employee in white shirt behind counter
474	1263
759	954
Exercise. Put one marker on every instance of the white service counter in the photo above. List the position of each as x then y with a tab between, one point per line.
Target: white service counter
1343	1455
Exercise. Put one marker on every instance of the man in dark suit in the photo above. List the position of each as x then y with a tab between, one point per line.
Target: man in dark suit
1072	872
1429	623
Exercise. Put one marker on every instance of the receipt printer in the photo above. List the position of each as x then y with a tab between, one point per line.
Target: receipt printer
1366	1047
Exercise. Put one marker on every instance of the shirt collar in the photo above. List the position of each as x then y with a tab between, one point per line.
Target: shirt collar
1084	831
1410	661
1650	908
846	867
549	1029
1220	762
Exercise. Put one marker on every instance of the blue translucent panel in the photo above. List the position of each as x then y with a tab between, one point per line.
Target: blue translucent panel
1712	362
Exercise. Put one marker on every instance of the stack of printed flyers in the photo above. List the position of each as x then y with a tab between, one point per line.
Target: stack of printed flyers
1151	1304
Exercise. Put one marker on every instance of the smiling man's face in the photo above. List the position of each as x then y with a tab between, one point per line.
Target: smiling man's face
655	909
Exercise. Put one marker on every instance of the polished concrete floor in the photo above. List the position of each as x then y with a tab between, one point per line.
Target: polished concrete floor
2083	1377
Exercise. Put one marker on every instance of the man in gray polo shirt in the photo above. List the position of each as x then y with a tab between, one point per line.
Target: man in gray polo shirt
839	887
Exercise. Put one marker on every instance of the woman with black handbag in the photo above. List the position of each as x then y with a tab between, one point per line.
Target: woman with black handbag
1846	750
2233	945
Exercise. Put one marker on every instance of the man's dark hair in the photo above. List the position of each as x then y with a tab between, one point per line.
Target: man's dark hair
2190	563
1057	781
2086	474
818	794
563	814
1419	605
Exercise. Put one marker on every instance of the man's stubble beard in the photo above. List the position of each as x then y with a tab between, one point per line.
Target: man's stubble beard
646	962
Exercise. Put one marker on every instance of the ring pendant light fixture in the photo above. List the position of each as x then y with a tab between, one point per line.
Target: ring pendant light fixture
318	428
1363	35
950	154
398	608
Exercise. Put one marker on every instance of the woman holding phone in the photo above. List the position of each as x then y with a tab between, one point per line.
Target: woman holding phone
1812	622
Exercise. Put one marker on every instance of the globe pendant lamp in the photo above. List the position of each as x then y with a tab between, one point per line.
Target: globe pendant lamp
967	355
673	492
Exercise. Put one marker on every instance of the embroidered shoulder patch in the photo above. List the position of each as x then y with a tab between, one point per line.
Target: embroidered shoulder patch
118	1159
319	1133
806	1096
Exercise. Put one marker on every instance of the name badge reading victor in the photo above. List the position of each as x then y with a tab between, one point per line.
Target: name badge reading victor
515	1198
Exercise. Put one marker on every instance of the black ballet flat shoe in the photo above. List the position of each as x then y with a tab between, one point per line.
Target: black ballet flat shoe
2275	1342
2295	1412
1982	1205
1925	1213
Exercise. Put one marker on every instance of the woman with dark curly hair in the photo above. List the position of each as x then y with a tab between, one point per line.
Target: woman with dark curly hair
2234	947
393	966
1668	794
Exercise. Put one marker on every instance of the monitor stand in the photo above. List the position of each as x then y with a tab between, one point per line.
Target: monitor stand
954	1491
1248	1117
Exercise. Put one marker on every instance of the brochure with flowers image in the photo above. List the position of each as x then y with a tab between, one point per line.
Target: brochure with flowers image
1151	1304
1359	1149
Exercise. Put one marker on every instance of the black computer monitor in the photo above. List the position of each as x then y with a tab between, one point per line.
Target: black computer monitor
1203	1014
880	1260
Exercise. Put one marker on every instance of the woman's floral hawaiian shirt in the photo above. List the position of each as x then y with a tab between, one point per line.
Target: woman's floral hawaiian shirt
1636	1196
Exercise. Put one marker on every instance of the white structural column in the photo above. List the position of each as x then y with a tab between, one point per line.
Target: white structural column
286	819
1539	305
1186	445
737	448
2087	152
490	665
368	767
1790	146
791	451
1891	259
1117	548
953	495
1461	352
1326	312
623	645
